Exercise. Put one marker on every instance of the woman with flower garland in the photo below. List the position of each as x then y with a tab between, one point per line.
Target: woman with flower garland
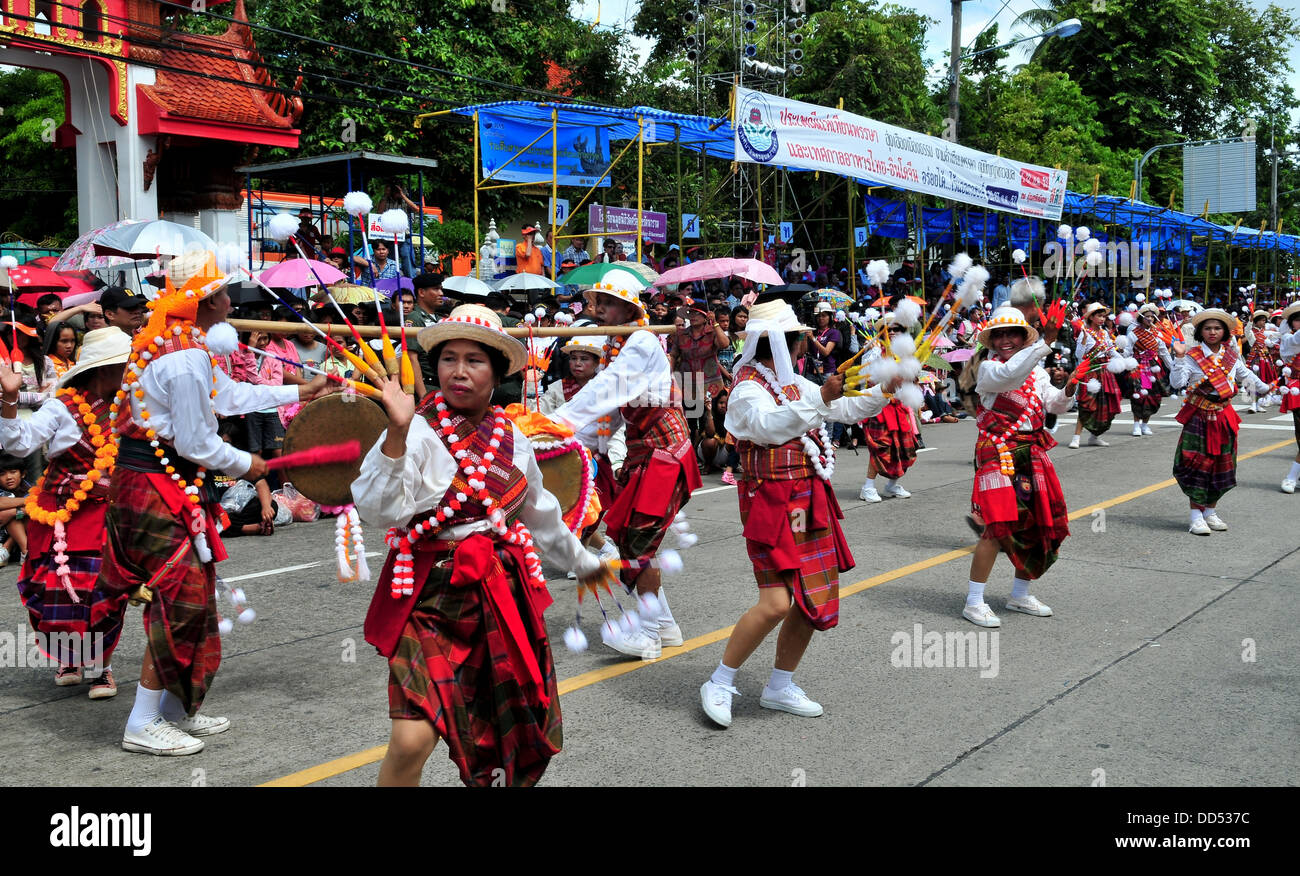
1289	383
458	610
1146	385
59	582
1096	409
1211	370
891	434
1016	497
787	505
161	545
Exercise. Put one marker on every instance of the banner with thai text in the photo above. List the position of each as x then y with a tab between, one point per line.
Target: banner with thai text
789	133
513	151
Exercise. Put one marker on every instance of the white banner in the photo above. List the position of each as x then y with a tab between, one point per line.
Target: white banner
788	133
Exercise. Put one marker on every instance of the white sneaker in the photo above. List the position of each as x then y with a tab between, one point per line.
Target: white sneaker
202	725
1200	527
1215	522
1095	441
670	634
572	576
1029	605
638	643
897	492
1146	429
609	551
981	615
1253	409
716	699
1288	486
1074	443
1137	430
792	699
162	738
4	556
868	493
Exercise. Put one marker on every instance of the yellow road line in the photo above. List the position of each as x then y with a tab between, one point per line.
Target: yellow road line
341	765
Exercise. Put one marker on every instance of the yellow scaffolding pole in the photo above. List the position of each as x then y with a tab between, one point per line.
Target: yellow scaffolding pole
555	185
476	161
640	175
573	212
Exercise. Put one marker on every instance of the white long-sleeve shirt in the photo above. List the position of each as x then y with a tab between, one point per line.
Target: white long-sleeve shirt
1289	346
389	492
1187	373
640	375
754	415
1086	342
176	392
50	426
997	377
616	447
1163	350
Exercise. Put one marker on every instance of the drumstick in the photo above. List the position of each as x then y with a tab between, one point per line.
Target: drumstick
363	388
328	454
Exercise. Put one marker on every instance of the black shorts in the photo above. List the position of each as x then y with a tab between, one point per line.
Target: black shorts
265	432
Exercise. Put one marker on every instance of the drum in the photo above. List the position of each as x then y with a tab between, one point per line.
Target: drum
568	469
332	420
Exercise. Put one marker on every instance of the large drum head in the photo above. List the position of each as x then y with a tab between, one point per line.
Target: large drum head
332	420
563	476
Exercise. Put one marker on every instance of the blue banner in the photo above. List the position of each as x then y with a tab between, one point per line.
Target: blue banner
582	152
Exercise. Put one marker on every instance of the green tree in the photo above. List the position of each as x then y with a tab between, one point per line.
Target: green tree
38	195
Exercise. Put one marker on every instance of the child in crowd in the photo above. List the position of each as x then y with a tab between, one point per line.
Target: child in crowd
13	497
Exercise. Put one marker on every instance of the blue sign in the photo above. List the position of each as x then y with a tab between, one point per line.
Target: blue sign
690	225
860	236
787	232
582	152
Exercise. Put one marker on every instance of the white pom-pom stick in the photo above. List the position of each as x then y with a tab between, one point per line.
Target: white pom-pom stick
883	370
247	616
840	316
1018	256
670	562
871	314
574	640
877	272
902	345
7	262
229	258
225	625
394	221
910	368
687	540
972	288
1094	386
630	622
1140	297
281	227
960	264
609	631
907	313
1082	233
222	339
651	607
910	394
1116	365
1132	363
1064	232
1125	319
1092	259
357	204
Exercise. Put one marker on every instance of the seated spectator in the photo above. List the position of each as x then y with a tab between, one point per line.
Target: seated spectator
13	499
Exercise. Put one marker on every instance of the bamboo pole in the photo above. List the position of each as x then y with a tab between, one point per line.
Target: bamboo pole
373	331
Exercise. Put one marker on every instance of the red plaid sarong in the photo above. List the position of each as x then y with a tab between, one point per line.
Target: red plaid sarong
1096	410
655	482
1259	359
891	439
1025	513
147	525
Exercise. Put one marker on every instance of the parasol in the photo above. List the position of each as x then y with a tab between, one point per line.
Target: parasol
142	240
80	256
525	282
594	272
297	274
713	269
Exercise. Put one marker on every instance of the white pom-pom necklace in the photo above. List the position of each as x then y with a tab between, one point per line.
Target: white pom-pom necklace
823	458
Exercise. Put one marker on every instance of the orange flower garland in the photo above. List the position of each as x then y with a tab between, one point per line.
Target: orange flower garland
105	458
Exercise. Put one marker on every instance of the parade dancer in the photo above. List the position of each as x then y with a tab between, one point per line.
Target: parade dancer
1205	463
1016	495
458	610
891	435
1146	384
1289	385
1259	358
787	505
1096	409
161	544
59	581
635	387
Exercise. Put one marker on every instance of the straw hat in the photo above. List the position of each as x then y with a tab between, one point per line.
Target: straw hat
474	322
1093	308
623	285
1229	321
106	346
1259	314
1007	316
778	312
1293	310
1149	308
585	344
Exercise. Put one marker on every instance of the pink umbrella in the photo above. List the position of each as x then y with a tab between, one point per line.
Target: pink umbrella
81	255
957	355
711	269
942	343
297	273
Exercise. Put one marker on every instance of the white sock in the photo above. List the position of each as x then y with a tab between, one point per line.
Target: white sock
171	707
666	615
1019	588
975	595
724	675
780	679
889	485
1294	474
1197	514
145	709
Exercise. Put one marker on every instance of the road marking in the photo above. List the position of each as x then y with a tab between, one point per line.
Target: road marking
1122	422
713	490
926	449
332	768
282	570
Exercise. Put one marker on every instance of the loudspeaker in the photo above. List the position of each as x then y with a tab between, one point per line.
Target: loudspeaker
750	25
751	50
796	54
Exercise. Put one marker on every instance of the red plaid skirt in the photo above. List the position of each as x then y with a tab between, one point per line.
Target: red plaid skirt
793	526
891	440
648	497
1026	512
145	530
1096	410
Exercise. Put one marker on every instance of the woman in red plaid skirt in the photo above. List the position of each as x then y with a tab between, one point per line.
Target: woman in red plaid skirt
1289	383
787	506
1016	494
458	610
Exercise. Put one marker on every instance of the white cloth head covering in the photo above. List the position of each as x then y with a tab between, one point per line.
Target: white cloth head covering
772	318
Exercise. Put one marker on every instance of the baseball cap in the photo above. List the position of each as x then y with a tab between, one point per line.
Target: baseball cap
119	298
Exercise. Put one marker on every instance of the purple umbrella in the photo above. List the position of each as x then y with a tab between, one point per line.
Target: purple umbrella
957	355
390	285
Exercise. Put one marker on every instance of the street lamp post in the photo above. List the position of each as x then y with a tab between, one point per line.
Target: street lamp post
1066	28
